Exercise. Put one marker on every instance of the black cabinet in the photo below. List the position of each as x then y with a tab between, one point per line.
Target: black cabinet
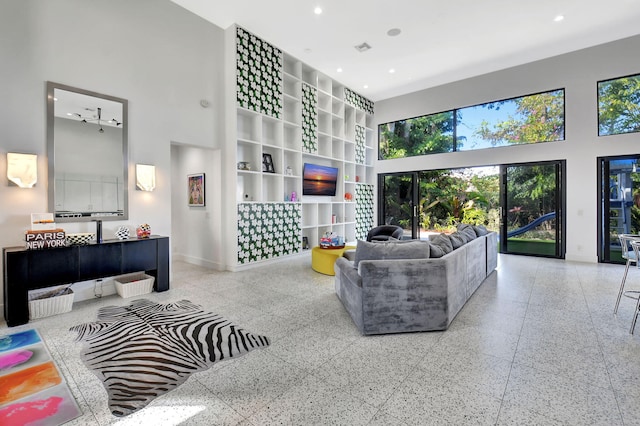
26	270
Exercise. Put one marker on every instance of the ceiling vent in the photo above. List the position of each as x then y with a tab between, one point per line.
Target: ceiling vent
362	47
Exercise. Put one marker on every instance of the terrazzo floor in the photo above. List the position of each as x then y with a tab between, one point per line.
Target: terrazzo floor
537	344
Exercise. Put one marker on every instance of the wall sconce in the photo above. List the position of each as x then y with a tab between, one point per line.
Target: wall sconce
145	177
22	169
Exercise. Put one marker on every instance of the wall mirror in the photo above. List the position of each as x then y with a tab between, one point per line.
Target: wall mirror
88	155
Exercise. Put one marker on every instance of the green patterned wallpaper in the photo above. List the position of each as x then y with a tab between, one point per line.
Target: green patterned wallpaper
268	230
259	74
309	119
364	210
358	101
360	145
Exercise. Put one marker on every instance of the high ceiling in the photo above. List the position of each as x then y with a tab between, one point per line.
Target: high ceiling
439	42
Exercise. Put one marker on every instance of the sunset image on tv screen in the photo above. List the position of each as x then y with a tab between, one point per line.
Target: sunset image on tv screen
319	180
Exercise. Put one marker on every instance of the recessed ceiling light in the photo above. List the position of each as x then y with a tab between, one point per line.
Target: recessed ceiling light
366	86
393	32
559	18
391	71
339	70
317	10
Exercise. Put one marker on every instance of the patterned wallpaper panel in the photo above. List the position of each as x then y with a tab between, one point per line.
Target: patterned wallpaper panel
258	74
358	101
360	145
309	119
364	210
268	230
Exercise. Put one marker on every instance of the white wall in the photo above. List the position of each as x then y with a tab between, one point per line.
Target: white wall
160	57
196	231
577	73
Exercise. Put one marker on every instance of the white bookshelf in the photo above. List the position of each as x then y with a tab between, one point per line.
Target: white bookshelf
258	134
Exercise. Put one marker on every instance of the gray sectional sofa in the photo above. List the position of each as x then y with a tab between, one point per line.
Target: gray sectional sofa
397	287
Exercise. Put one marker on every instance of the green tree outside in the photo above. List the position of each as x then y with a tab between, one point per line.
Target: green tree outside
619	106
538	118
428	134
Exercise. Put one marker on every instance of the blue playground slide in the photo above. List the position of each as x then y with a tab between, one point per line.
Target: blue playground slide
531	225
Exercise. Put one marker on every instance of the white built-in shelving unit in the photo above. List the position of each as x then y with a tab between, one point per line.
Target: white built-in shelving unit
282	139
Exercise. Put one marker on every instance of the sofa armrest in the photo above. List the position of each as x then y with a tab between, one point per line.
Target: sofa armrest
345	268
348	286
492	251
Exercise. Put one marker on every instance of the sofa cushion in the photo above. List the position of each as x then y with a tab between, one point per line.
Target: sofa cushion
467	230
480	230
350	254
391	250
458	239
439	245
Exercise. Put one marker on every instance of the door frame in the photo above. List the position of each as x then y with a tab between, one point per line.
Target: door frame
560	199
415	193
604	205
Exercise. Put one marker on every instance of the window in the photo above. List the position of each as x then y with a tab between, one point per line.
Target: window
523	120
619	106
428	134
527	119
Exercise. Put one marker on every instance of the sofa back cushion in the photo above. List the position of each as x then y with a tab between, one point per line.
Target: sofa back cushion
467	230
480	230
440	245
391	250
458	239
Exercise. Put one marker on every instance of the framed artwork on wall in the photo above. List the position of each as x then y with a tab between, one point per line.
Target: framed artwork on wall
196	189
267	164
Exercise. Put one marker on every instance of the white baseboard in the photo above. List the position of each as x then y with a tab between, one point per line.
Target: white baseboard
581	258
198	261
239	268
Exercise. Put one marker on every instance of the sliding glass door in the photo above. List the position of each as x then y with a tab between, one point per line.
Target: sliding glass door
618	213
532	213
434	201
398	202
523	202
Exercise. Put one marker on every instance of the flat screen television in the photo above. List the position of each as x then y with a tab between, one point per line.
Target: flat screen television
319	180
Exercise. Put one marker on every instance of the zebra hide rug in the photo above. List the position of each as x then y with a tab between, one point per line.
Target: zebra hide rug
146	349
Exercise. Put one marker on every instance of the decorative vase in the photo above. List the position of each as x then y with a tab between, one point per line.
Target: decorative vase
143	231
123	233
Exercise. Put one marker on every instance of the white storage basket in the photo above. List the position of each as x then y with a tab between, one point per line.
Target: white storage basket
135	284
40	307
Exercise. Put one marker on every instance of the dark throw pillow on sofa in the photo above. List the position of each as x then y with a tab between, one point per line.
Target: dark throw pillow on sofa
440	245
458	239
480	230
467	230
391	250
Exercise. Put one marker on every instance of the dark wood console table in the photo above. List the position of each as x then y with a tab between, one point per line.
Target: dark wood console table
26	270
